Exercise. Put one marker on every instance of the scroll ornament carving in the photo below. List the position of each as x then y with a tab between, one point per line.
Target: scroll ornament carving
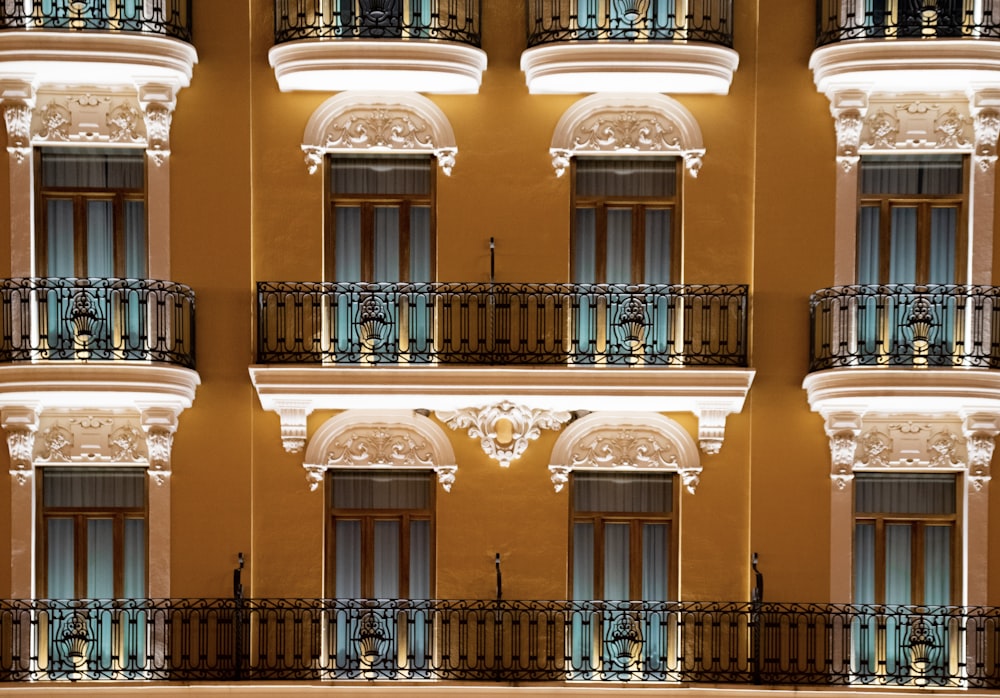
987	130
56	440
17	116
54	121
125	445
950	128
158	119
21	444
883	130
875	449
123	122
525	425
943	448
630	131
383	445
980	446
843	445
849	125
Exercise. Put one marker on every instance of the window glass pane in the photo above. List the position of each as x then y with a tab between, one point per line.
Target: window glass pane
100	239
904	493
348	559
944	223
626	177
59	245
583	560
386	267
868	245
420	559
903	258
380	175
619	270
864	563
657	253
60	559
387	559
135	558
584	246
94	487
420	243
100	558
655	561
912	174
897	563
135	239
623	492
937	565
616	561
348	252
380	490
93	168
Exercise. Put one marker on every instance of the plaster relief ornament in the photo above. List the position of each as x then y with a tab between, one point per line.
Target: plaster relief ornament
943	448
849	125
379	128
843	445
54	120
950	129
125	445
505	429
20	444
123	122
158	119
56	440
980	447
875	449
883	130
159	442
380	445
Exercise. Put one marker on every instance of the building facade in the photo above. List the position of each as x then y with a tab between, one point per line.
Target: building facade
545	346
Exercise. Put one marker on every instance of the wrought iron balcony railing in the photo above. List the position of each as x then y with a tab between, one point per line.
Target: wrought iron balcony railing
447	20
709	21
905	325
501	324
100	319
168	17
841	20
322	639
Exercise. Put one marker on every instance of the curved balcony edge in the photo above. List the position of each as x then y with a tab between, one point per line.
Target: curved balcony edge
170	18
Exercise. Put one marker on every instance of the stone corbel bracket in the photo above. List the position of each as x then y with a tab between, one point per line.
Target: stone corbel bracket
843	429
21	425
980	430
292	415
504	429
160	424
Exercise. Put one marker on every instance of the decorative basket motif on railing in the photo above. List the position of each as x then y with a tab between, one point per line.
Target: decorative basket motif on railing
844	20
501	324
932	325
553	21
170	18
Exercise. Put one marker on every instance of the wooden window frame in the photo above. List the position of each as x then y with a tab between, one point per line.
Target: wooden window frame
367	519
368	203
638	205
80	197
636	520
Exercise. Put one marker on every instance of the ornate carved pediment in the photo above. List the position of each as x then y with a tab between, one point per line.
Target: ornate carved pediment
90	438
646	124
633	441
352	122
359	439
504	429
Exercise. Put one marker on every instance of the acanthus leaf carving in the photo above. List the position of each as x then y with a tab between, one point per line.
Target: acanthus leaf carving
950	128
849	124
524	424
158	118
17	117
380	445
54	121
875	449
987	131
21	445
56	440
943	450
125	445
379	127
123	122
883	130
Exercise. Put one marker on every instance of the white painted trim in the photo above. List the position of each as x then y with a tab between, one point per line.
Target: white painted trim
445	67
653	67
616	124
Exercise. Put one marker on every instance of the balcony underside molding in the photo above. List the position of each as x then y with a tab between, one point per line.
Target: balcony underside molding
942	65
709	394
108	385
863	390
582	67
413	66
96	58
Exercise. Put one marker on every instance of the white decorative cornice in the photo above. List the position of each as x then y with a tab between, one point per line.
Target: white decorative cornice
376	439
440	67
486	422
649	67
639	124
625	441
364	121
